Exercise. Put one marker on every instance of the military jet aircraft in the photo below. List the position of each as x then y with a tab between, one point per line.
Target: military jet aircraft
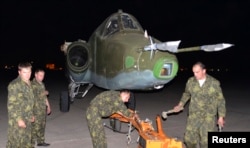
121	55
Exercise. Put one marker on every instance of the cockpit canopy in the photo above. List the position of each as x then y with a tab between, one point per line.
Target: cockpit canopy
121	21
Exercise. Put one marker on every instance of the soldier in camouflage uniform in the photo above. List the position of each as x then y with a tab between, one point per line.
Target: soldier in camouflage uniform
20	109
104	105
41	108
206	104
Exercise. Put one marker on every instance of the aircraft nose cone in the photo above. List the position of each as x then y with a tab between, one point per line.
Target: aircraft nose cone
165	68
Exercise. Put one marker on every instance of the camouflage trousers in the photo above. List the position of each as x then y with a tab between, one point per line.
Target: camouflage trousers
38	128
96	128
197	130
19	137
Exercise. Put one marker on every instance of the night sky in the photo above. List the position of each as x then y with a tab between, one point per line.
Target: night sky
34	30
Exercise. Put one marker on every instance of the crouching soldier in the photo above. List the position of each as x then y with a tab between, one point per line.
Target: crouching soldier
104	105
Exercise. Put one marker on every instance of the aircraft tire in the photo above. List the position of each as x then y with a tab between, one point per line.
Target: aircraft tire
116	125
142	142
64	102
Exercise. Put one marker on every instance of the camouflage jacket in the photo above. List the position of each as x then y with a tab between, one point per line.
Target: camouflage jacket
207	99
20	100
40	97
108	103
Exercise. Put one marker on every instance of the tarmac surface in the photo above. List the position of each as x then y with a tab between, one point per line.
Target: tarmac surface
69	130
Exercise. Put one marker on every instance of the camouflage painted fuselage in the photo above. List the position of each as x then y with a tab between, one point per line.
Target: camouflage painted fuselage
115	58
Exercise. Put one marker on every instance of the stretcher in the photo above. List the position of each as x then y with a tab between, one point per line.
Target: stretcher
148	136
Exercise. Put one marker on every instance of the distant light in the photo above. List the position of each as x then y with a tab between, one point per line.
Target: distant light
9	67
50	66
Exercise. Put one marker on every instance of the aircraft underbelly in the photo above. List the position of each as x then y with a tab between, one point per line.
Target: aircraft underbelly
138	80
135	80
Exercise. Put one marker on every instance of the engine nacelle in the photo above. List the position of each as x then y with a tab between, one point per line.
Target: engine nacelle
77	56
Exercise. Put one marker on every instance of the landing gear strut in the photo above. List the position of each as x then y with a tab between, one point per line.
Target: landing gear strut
67	97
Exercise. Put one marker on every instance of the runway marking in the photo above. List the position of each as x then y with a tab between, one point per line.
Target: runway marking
71	140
